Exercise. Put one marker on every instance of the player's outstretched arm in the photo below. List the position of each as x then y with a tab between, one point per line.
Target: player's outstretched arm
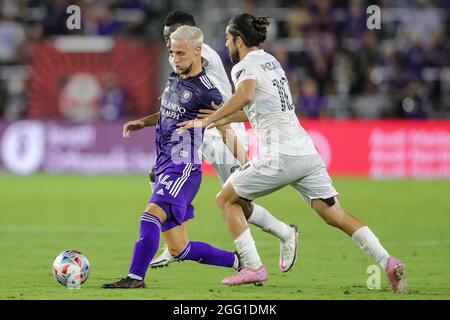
135	125
244	95
239	116
233	143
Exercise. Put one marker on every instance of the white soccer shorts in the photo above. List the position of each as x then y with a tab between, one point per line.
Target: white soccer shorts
267	173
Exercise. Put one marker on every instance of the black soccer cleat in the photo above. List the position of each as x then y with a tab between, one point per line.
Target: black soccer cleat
125	283
240	262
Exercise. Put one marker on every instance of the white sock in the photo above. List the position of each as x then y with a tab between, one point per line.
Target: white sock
246	248
263	219
370	244
133	276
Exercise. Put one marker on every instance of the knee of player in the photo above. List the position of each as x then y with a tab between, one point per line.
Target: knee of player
221	200
247	208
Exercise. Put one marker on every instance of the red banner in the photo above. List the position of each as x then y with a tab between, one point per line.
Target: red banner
77	82
379	149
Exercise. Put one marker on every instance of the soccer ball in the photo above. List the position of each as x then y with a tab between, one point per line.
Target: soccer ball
71	268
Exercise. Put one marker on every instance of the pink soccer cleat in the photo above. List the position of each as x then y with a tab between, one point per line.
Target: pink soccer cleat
246	275
396	274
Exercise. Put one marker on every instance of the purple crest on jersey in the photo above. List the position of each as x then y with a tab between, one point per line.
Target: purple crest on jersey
186	96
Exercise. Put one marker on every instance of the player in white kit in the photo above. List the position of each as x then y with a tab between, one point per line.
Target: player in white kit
287	157
223	161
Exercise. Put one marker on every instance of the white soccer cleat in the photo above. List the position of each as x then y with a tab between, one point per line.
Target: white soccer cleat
163	260
288	250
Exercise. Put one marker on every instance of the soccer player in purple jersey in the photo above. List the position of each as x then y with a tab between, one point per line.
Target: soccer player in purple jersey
226	151
178	169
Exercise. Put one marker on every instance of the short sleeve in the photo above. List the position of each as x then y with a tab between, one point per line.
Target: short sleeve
206	54
241	72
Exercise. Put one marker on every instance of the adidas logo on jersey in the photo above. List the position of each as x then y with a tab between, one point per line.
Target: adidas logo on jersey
160	192
206	82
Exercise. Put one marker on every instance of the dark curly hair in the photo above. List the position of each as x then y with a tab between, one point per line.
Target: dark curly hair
180	17
252	30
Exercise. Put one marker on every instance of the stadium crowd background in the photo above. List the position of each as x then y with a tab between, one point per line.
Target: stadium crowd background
337	67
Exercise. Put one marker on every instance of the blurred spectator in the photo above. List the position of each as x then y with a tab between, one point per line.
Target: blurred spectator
363	60
321	46
12	40
335	65
112	99
371	104
3	97
422	23
311	103
100	20
15	101
415	103
298	21
321	70
414	58
55	20
355	23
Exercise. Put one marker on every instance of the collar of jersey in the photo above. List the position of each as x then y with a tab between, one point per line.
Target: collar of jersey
255	52
193	77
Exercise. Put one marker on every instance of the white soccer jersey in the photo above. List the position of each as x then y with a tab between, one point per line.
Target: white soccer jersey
272	112
216	72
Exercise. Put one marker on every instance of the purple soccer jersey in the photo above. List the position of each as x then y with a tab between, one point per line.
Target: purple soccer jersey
180	102
178	167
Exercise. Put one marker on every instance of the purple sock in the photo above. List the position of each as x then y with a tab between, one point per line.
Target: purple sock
147	244
204	253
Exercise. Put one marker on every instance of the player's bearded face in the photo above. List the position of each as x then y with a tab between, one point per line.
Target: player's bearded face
185	70
231	48
183	56
234	55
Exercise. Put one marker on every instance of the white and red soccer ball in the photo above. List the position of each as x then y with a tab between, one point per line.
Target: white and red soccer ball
71	268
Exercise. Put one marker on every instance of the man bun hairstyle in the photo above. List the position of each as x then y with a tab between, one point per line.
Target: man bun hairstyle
180	17
252	30
261	24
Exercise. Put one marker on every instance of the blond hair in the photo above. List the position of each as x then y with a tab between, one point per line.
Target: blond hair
193	35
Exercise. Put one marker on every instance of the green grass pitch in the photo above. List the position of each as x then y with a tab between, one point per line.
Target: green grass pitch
42	215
